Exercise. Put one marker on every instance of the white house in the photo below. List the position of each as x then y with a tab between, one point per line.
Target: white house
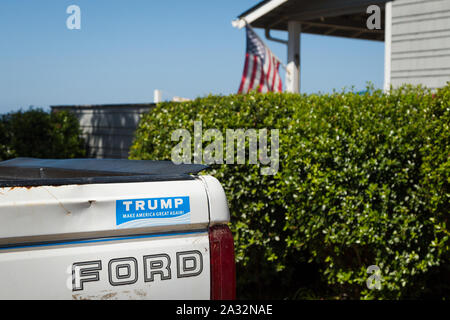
416	33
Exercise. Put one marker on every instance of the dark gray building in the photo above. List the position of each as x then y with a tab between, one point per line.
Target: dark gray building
108	129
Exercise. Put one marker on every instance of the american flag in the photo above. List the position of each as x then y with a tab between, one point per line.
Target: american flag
261	67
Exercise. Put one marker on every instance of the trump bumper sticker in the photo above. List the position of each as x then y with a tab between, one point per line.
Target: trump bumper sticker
137	213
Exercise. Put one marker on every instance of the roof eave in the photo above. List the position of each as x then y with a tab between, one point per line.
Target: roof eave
256	12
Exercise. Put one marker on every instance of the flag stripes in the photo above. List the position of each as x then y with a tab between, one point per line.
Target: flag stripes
261	68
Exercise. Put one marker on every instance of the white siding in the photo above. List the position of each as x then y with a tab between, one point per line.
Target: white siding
420	48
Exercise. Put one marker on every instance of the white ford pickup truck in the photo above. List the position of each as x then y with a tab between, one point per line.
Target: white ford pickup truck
113	229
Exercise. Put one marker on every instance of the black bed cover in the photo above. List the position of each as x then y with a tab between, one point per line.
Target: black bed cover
21	172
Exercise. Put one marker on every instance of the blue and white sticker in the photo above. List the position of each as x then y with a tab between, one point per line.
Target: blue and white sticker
138	213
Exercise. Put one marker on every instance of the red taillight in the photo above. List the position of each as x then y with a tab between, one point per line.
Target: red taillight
223	274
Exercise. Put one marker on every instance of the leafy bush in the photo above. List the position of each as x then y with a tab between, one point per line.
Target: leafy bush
4	140
363	180
39	134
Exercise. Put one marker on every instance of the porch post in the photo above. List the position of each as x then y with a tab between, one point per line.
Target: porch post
387	46
293	66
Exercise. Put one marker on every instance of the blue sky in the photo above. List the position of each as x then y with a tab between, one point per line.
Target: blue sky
126	49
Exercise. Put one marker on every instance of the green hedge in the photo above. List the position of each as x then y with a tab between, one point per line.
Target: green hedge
40	134
363	180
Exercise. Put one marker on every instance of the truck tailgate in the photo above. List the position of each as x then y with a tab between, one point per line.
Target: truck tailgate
68	212
141	267
112	237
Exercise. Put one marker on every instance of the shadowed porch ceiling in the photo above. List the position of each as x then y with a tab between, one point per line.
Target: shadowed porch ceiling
342	18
